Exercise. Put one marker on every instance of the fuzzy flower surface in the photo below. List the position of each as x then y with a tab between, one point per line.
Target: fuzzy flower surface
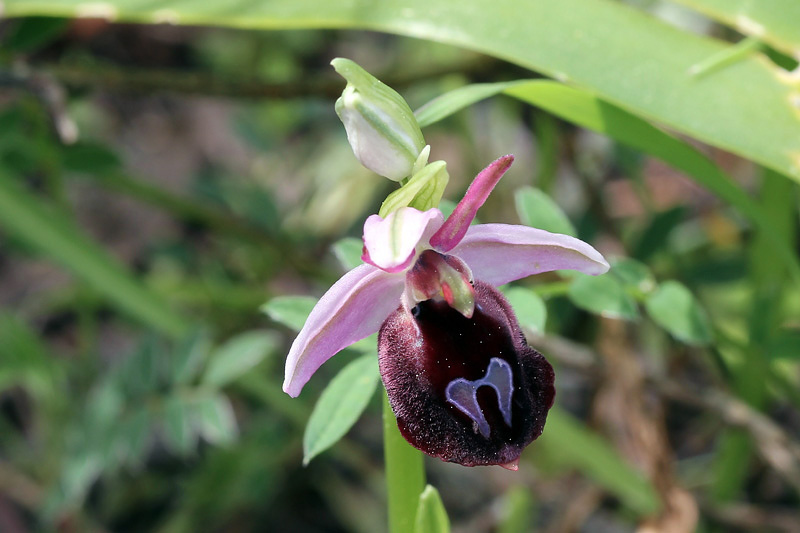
461	379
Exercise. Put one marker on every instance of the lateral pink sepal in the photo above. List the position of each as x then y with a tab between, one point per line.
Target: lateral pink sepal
353	308
500	253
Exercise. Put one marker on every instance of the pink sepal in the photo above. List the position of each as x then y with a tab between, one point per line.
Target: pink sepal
500	253
353	308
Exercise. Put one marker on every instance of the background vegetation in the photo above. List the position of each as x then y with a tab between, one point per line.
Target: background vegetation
173	177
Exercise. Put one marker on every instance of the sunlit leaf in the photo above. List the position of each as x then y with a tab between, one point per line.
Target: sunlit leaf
643	63
589	111
774	21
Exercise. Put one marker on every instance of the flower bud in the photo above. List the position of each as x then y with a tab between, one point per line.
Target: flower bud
380	125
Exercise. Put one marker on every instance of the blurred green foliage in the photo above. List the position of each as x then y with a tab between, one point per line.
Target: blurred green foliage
159	183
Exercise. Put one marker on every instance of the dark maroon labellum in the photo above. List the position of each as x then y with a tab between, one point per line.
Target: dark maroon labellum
465	390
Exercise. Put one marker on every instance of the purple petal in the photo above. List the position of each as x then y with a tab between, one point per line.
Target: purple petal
499	253
428	354
354	308
390	243
456	225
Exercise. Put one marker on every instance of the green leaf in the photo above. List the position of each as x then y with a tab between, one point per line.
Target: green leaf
189	356
340	405
237	356
291	311
588	111
25	361
431	514
614	50
773	21
216	420
673	307
456	100
655	235
568	441
633	274
537	210
180	429
603	295
348	252
134	435
785	344
52	234
32	33
530	308
90	158
140	373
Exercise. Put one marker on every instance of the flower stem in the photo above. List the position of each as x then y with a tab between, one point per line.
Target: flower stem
405	474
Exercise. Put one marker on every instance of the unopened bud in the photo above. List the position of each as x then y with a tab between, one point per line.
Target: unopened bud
380	125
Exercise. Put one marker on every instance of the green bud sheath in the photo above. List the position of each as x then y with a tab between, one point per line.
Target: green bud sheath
380	125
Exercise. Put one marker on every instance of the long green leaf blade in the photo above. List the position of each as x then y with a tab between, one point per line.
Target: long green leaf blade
570	442
50	233
776	22
617	51
588	111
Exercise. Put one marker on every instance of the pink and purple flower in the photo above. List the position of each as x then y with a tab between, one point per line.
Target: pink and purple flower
461	379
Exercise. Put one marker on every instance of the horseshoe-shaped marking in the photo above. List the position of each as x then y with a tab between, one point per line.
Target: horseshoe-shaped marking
463	394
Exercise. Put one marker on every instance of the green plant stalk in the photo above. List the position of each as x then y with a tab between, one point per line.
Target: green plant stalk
405	474
750	379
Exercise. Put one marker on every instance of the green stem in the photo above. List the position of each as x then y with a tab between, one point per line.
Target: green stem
405	474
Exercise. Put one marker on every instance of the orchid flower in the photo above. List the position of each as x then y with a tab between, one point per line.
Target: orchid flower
461	379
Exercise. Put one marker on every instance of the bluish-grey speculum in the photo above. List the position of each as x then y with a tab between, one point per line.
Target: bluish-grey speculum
463	393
